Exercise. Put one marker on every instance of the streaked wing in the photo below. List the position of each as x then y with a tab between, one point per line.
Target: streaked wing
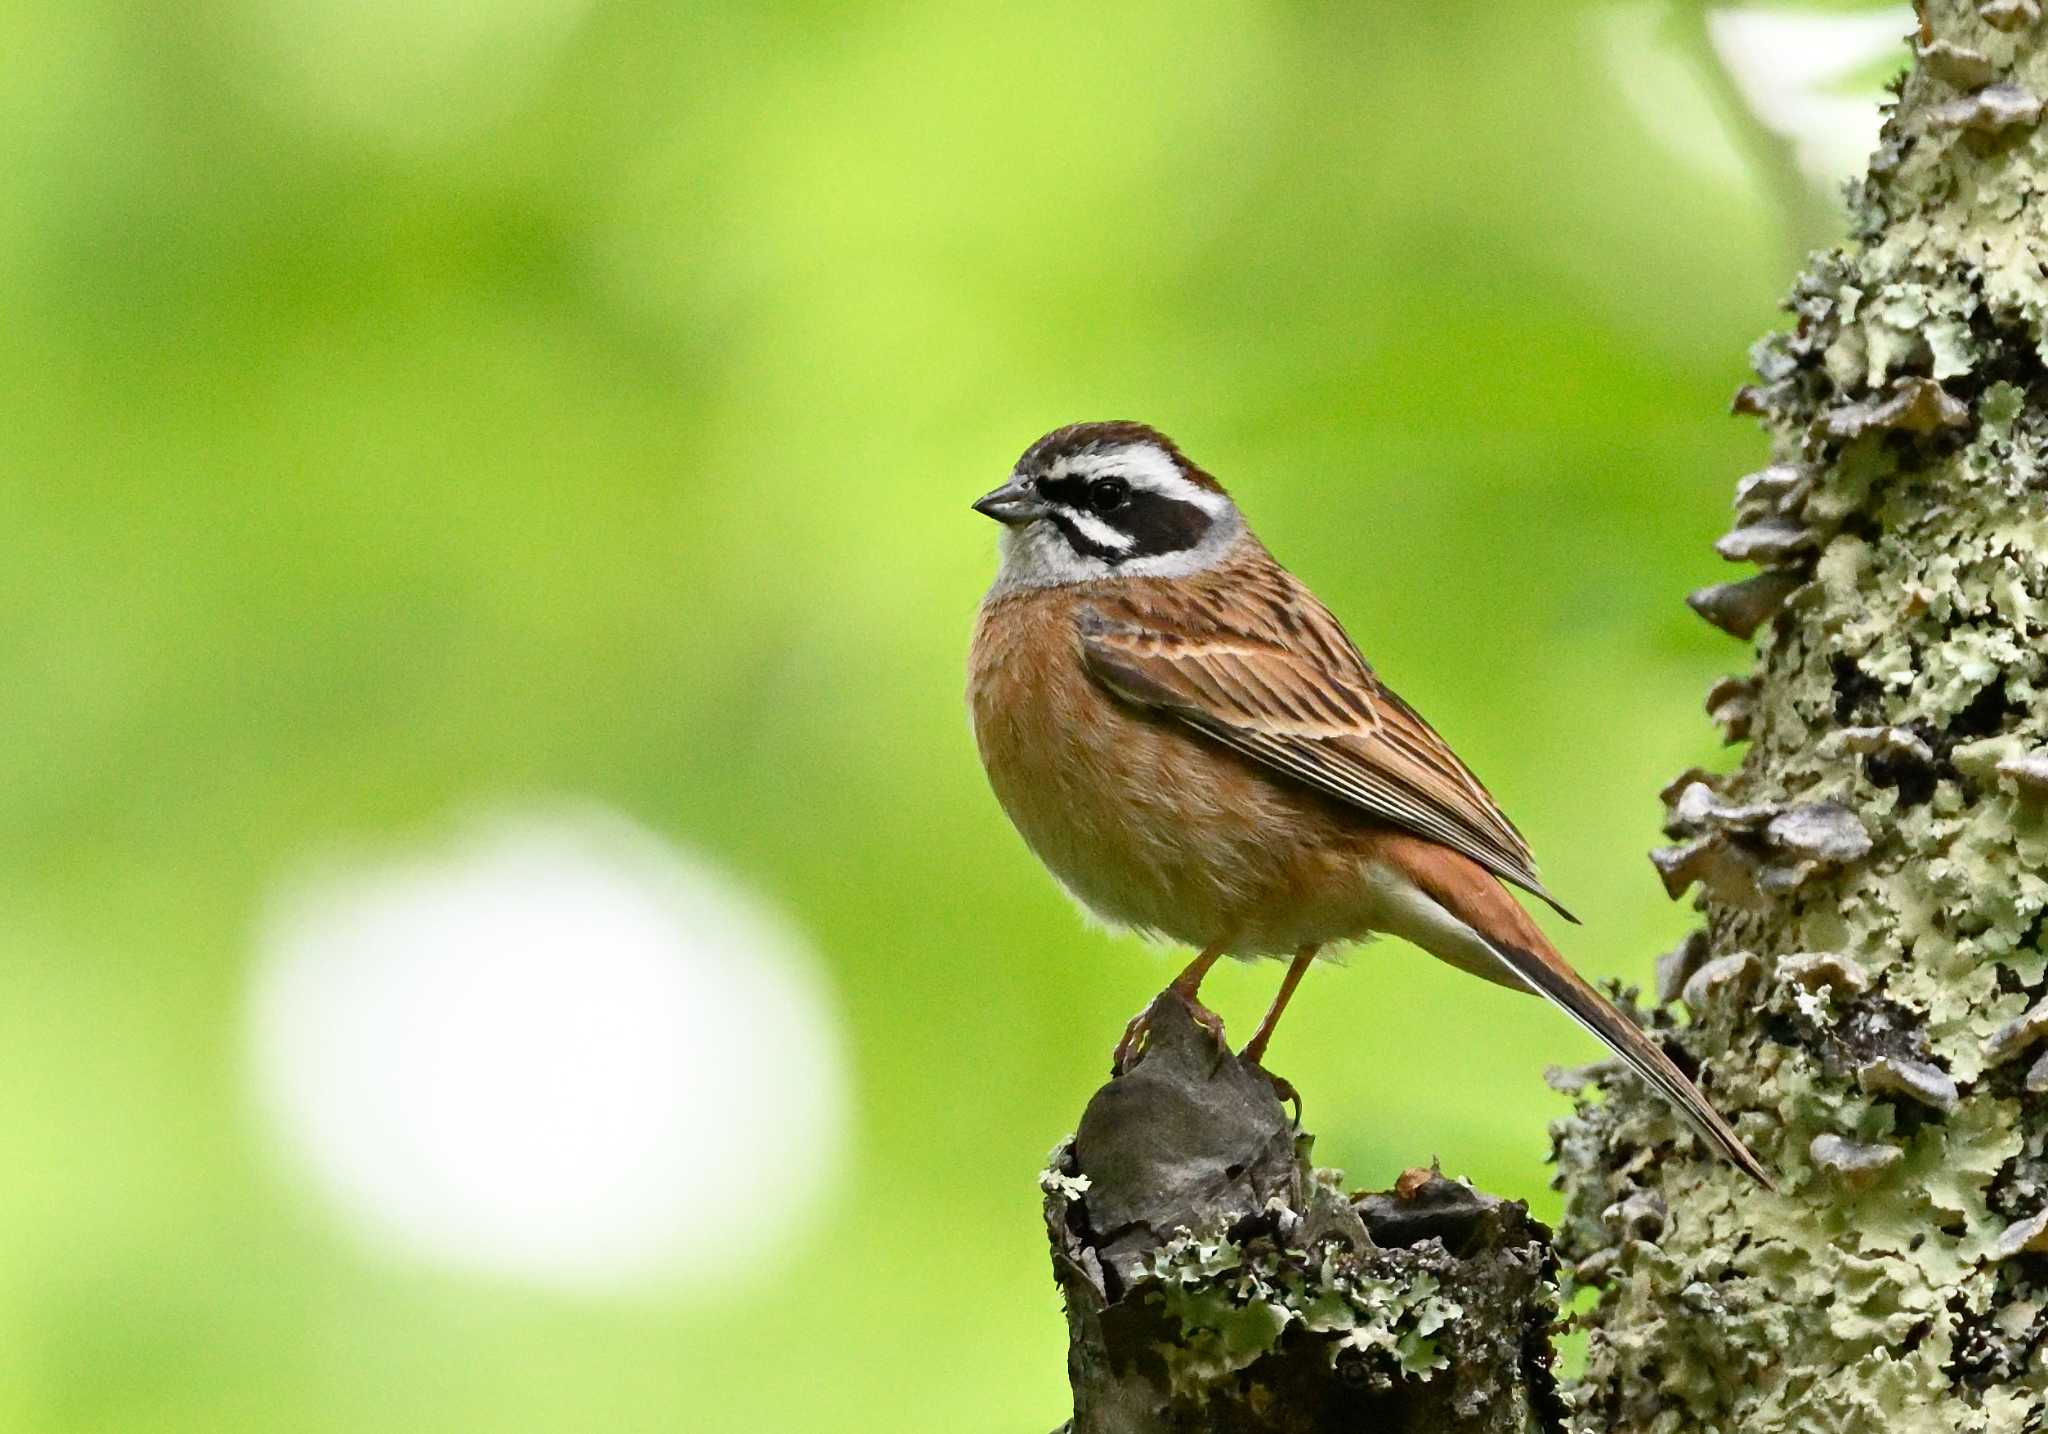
1280	682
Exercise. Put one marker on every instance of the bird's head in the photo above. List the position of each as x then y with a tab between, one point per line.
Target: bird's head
1097	500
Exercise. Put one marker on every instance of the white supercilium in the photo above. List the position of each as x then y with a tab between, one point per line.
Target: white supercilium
1037	555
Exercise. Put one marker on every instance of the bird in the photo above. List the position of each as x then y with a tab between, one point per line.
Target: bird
1195	748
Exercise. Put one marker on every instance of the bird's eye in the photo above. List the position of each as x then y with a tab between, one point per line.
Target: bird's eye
1106	495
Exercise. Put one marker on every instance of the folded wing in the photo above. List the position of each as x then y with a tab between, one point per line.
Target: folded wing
1288	688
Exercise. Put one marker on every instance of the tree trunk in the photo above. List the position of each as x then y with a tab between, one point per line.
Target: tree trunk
1869	992
1867	989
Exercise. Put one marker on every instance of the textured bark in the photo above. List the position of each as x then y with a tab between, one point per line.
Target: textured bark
1867	993
1215	1282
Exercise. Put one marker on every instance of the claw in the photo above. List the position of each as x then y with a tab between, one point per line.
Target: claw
1283	1088
1131	1049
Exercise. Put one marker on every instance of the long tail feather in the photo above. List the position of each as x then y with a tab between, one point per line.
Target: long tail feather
1563	987
1461	914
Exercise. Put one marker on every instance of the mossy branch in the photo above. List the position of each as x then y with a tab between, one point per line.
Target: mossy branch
1215	1281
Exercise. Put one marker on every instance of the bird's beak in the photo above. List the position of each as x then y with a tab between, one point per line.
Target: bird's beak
1011	504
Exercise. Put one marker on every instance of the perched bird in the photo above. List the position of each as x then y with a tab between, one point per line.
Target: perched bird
1196	749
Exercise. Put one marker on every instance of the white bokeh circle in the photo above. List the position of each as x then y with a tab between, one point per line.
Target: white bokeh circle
556	1047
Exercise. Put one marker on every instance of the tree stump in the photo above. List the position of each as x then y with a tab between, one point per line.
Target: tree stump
1215	1281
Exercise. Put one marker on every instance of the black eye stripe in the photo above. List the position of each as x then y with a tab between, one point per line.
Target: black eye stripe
1070	491
1159	525
1098	493
1106	495
1156	524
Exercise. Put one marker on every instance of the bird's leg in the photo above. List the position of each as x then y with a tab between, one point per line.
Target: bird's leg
1255	1049
1187	987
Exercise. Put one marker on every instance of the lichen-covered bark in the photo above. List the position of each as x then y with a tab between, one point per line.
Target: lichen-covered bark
1214	1281
1868	996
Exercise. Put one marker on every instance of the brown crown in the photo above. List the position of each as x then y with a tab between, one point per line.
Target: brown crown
1091	437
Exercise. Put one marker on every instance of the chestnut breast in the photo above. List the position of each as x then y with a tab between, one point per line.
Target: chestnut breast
1143	821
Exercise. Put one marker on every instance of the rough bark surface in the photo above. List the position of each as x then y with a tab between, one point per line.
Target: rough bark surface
1214	1281
1867	993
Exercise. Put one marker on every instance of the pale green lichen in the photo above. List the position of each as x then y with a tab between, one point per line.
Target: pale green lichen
1054	1179
1213	1278
1905	681
1232	1306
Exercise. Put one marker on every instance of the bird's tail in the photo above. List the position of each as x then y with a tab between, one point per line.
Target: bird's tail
1522	956
1564	987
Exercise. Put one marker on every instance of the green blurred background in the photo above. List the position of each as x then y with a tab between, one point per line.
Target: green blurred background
413	410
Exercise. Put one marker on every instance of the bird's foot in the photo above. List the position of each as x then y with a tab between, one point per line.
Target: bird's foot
1282	1087
1131	1049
